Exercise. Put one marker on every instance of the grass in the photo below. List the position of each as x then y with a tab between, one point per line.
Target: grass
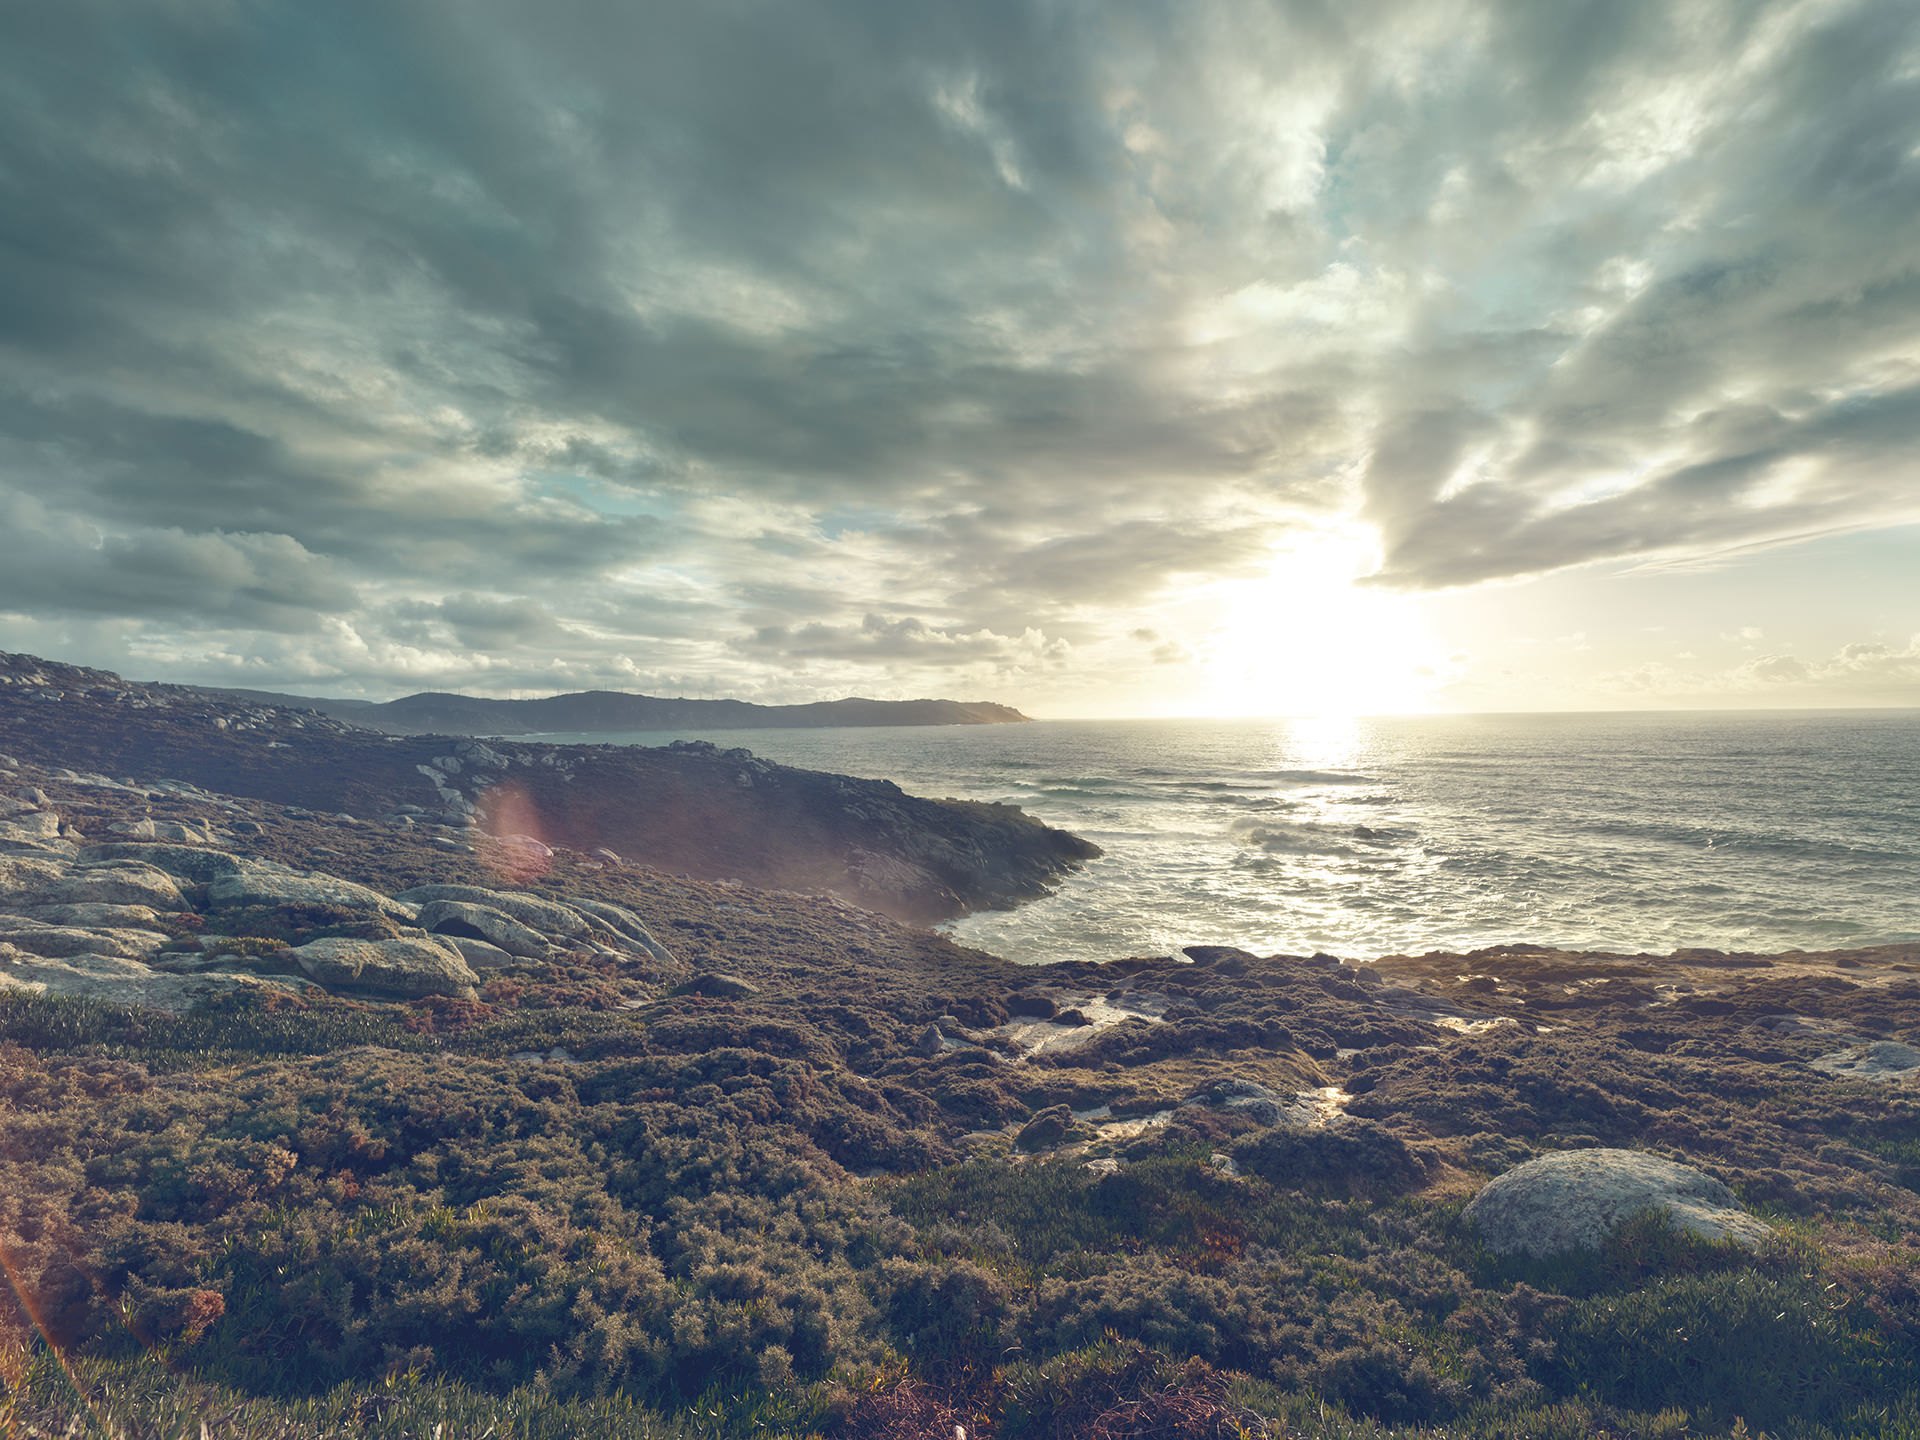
141	1398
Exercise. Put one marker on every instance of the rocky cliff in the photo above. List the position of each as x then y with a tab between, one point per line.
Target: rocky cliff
691	809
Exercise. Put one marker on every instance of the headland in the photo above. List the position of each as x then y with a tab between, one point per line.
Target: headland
334	1099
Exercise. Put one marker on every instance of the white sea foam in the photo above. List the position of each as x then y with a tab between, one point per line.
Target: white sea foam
1364	837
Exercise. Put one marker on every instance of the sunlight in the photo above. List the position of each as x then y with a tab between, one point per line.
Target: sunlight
1306	639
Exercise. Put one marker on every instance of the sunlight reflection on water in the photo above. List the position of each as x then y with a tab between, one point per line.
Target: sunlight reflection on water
1369	836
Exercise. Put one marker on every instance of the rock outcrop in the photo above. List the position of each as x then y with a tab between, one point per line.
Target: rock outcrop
1574	1199
166	925
691	808
403	967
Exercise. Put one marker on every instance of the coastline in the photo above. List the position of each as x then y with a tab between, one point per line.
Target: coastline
692	1137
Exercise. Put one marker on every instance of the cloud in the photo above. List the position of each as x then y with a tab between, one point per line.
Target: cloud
1870	670
877	639
587	342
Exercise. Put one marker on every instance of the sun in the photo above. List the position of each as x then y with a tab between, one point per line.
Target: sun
1308	639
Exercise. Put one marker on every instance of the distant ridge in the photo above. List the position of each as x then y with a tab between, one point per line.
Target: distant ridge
607	711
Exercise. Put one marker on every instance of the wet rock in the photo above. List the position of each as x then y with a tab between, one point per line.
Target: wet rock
1032	1003
718	986
1574	1199
462	918
404	967
1046	1129
1223	959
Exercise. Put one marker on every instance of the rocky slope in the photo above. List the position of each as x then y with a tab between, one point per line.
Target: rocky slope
692	808
304	1099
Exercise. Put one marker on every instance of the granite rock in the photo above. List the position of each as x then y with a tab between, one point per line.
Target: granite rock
406	967
1574	1199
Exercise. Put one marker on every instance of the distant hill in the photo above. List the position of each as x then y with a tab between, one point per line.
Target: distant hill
606	711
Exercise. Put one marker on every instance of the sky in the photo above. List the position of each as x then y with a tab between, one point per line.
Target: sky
1102	359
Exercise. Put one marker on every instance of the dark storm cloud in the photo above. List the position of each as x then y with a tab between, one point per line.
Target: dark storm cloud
898	335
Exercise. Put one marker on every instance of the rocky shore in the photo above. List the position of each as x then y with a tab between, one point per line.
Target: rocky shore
309	1102
692	809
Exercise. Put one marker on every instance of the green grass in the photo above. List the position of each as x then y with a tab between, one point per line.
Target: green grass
140	1396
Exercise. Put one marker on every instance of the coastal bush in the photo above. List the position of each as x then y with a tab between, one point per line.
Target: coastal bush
1362	1157
1768	1349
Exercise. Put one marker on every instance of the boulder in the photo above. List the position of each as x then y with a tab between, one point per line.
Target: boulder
622	921
258	882
480	954
190	831
717	986
1259	1103
31	827
530	910
395	967
1573	1200
22	875
1046	1129
114	882
183	862
95	917
55	941
1881	1060
463	918
116	980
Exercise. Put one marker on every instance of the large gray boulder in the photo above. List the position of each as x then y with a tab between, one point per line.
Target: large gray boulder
95	917
114	882
546	916
1880	1060
24	875
480	954
258	882
37	832
454	918
183	862
622	921
406	967
116	980
38	938
194	832
1573	1200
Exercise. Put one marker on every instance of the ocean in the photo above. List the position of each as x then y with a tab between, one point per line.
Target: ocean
1364	837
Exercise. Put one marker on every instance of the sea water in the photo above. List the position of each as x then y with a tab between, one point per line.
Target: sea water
1364	837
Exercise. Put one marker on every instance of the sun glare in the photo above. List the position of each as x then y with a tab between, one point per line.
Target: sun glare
1307	639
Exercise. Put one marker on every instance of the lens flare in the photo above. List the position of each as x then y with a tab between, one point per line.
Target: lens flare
513	839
